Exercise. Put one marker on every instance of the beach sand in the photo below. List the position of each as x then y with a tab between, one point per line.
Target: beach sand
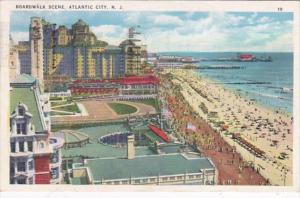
267	130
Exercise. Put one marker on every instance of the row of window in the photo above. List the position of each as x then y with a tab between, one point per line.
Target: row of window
139	86
21	128
23	181
152	180
21	166
21	146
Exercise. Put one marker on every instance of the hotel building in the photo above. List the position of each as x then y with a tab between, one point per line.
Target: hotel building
76	52
131	87
14	63
35	156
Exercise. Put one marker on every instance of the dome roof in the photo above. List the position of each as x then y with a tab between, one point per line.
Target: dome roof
72	137
127	42
80	23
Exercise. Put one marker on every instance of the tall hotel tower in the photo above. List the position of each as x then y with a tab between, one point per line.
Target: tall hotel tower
36	46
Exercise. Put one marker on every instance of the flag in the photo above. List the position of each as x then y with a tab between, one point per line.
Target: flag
167	113
191	126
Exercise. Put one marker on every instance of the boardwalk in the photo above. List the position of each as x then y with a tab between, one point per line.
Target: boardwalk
233	170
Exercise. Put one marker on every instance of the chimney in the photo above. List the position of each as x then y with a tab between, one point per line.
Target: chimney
130	147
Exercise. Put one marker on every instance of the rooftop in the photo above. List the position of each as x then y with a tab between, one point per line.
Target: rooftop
159	132
145	166
26	96
24	79
172	148
71	136
79	181
127	42
129	80
80	22
94	149
112	47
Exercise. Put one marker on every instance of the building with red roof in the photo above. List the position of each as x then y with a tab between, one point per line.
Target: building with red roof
130	85
246	57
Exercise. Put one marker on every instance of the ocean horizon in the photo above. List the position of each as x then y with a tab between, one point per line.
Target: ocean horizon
276	92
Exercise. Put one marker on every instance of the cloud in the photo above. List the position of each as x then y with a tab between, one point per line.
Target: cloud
19	36
164	19
264	19
221	32
283	43
252	18
178	31
113	34
132	18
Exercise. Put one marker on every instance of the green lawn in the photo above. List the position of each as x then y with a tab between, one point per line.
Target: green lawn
55	98
71	108
122	109
56	103
152	102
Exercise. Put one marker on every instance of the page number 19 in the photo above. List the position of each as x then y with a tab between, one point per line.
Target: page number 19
280	9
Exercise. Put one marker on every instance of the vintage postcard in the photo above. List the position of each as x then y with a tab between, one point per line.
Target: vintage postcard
180	95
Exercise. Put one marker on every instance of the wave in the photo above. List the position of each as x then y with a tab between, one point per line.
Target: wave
269	95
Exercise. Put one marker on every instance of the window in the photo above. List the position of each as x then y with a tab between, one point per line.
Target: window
21	146
12	169
42	145
21	128
30	146
21	166
30	180
30	165
13	147
21	111
54	157
18	128
54	173
21	181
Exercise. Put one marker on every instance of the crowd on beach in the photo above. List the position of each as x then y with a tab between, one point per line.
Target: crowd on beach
198	99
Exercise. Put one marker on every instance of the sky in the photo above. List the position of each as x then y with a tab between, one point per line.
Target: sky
178	31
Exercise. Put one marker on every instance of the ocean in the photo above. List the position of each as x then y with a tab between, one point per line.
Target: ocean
276	93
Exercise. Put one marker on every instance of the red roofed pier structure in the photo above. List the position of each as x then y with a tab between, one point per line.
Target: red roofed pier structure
246	57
